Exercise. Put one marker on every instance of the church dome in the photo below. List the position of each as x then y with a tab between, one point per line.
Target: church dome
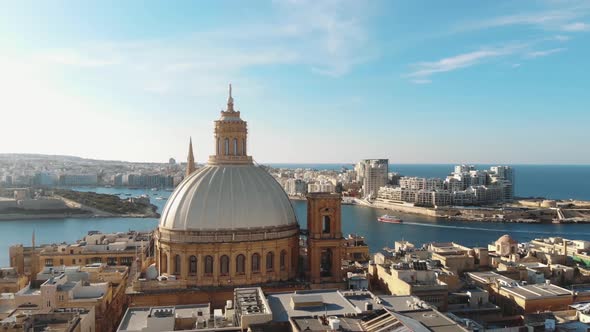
506	239
230	193
227	197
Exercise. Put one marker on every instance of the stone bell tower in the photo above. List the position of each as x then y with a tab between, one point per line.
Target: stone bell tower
324	242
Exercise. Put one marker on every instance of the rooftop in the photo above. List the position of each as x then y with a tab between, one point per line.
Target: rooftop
163	318
538	291
511	286
327	302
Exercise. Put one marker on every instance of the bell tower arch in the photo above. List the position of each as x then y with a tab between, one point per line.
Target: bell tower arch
324	241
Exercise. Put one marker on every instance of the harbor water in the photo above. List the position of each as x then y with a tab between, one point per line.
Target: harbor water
356	219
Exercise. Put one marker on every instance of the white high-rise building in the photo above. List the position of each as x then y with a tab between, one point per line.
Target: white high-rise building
374	174
504	176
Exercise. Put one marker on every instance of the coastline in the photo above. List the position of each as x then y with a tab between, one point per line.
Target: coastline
12	217
501	214
490	214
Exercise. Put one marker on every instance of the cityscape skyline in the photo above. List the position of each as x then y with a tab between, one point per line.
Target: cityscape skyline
482	85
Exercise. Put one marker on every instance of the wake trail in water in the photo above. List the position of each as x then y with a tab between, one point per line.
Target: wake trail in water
491	229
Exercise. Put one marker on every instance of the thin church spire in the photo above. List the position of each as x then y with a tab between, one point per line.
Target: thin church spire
190	162
230	101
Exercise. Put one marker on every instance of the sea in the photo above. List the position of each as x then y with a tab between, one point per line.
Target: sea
553	181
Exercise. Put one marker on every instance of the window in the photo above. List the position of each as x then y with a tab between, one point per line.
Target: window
283	260
126	261
270	261
255	263
326	263
192	265
61	261
163	263
326	224
235	146
243	146
111	261
96	260
208	265
49	262
224	262
226	146
219	146
241	264
73	261
177	264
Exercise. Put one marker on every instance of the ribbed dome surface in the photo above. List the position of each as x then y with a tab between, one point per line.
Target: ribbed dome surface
225	197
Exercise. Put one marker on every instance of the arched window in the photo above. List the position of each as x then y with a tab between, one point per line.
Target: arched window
270	261
243	146
255	263
224	265
241	264
326	224
226	142
192	265
177	264
218	146
208	265
326	263
235	146
283	260
163	263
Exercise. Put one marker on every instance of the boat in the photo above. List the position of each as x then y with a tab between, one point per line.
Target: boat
389	219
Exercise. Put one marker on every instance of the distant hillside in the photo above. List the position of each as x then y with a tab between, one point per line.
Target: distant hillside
46	157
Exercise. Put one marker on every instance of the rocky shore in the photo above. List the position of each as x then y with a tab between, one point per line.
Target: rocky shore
75	204
515	212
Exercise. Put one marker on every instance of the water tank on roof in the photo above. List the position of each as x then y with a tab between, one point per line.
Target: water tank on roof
334	323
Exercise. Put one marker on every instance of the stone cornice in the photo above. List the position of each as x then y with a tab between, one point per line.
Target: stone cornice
225	236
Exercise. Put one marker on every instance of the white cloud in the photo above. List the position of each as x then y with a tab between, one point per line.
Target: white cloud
561	38
71	57
516	65
576	27
558	16
424	70
537	54
421	81
327	37
546	18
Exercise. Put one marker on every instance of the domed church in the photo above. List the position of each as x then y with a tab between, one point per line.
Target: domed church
229	222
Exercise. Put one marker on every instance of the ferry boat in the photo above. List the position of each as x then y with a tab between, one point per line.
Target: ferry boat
389	219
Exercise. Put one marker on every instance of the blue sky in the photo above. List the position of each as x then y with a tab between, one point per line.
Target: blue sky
317	81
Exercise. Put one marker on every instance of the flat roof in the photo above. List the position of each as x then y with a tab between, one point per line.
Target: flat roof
399	303
537	291
489	277
359	301
334	305
135	319
314	324
434	321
